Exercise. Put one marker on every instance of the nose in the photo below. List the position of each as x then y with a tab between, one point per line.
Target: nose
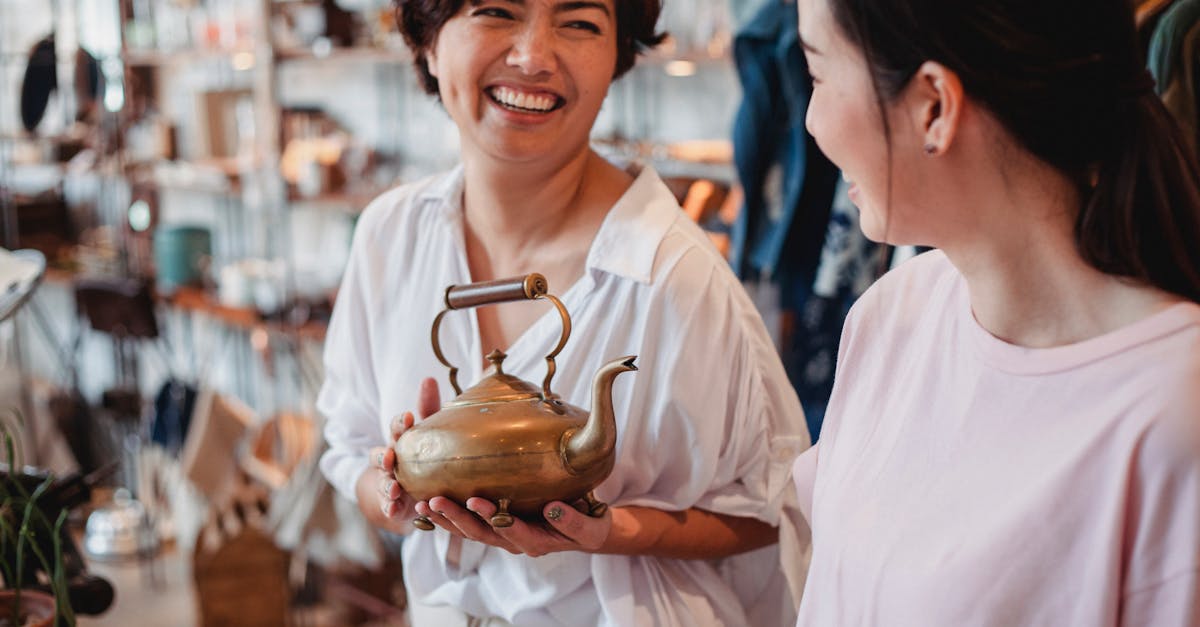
533	50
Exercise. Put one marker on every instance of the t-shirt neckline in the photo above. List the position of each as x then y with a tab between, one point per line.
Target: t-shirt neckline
1022	360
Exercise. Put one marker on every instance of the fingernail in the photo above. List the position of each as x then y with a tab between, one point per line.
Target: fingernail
555	513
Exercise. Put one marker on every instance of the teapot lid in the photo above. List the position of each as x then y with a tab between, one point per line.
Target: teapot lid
498	387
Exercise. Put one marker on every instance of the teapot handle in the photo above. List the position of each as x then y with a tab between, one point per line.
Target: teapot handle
529	287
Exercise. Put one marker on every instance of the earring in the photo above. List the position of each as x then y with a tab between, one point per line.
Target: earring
931	149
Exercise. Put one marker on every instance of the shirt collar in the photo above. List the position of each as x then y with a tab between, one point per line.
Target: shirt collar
629	237
445	191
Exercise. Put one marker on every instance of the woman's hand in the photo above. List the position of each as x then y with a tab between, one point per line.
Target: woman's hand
380	498
688	534
563	528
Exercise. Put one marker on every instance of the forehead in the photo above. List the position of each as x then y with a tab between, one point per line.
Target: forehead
815	22
556	5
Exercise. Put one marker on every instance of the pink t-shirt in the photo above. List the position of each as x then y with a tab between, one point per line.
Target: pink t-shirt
961	480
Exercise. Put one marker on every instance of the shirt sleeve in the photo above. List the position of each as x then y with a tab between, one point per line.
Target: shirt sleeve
804	474
1162	580
721	422
349	397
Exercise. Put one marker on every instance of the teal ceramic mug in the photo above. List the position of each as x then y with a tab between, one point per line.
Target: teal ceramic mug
181	254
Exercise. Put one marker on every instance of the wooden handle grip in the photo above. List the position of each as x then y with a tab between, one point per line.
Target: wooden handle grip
527	287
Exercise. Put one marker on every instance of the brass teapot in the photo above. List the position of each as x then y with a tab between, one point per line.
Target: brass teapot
506	440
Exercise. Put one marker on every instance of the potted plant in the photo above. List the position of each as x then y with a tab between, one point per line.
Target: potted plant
29	543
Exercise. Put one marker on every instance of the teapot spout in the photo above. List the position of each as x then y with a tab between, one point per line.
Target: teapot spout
596	442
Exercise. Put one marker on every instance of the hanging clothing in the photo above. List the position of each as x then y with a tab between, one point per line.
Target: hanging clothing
1166	43
1174	61
848	265
788	183
40	80
962	480
788	186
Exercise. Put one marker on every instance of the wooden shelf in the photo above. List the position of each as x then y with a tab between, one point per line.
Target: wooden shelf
201	301
153	58
345	55
197	300
348	203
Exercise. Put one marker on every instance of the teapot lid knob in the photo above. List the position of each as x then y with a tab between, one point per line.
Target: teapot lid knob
496	357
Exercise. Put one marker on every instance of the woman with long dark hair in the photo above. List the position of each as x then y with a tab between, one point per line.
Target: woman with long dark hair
1011	438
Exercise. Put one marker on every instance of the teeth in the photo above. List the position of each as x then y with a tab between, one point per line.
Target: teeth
511	98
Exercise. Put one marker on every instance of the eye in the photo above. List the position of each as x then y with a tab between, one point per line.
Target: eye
495	12
584	26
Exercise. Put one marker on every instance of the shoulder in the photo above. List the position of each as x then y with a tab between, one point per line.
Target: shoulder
1173	361
395	236
1164	497
701	297
690	272
927	282
649	242
912	280
401	204
686	263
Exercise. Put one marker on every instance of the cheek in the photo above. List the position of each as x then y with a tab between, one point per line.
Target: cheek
826	120
814	120
593	73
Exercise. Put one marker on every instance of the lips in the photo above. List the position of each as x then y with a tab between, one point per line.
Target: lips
522	101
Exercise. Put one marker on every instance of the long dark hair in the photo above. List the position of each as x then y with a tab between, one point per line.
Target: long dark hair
1066	78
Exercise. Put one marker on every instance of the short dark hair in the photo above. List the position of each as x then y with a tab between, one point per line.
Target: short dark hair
420	22
1067	80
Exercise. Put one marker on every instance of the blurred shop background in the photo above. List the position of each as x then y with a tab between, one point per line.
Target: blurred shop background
179	182
189	173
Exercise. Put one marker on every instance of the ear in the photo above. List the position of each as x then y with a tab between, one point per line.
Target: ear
937	97
431	62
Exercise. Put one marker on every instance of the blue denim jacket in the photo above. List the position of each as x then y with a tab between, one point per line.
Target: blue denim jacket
788	183
1167	42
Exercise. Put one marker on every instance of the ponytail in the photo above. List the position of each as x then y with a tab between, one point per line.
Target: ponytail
1142	218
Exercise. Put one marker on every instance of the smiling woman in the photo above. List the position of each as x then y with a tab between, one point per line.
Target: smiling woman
1012	437
698	492
525	81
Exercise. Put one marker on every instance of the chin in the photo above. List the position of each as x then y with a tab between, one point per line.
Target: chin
877	236
872	223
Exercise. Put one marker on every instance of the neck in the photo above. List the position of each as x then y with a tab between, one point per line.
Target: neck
1028	284
529	216
515	203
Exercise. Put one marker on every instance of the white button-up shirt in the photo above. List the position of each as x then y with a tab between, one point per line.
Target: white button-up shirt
709	420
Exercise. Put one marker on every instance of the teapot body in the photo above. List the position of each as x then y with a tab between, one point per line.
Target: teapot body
506	439
503	451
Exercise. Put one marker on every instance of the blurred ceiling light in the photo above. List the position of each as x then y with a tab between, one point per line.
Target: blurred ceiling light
680	68
243	61
139	216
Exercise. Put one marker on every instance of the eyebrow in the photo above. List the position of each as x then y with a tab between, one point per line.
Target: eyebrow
562	7
809	47
576	5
